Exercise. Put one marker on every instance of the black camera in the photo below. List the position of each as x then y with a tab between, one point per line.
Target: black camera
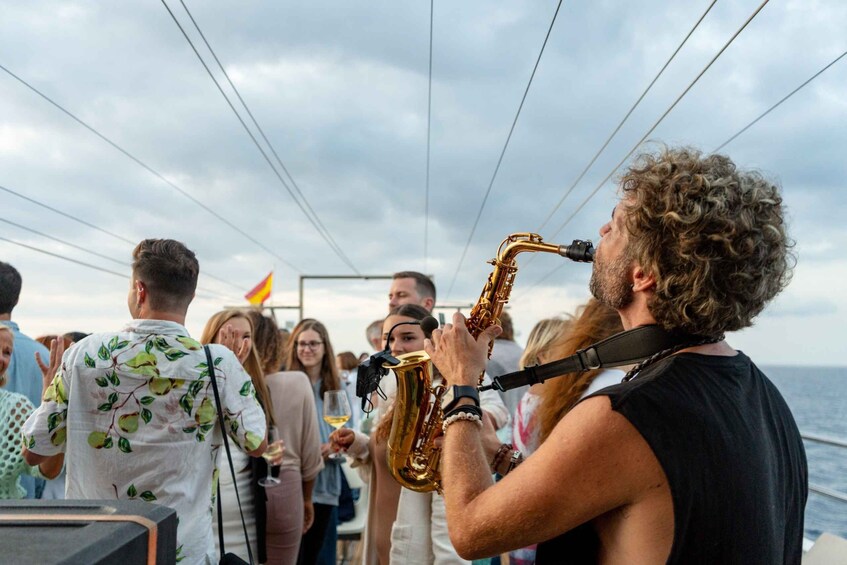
371	371
368	375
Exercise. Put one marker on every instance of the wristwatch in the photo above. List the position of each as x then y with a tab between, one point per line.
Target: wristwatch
462	391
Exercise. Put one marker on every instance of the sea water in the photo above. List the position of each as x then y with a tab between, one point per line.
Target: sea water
817	397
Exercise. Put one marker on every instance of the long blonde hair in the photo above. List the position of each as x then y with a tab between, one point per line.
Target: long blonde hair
546	335
594	321
252	364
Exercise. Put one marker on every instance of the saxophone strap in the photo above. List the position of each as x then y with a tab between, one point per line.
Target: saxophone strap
625	348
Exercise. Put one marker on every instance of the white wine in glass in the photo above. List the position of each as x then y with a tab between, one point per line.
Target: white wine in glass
336	411
272	452
336	422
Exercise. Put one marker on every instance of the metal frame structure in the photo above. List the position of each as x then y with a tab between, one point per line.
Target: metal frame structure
301	288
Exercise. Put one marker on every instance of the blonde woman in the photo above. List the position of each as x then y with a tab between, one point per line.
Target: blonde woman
539	350
234	329
14	410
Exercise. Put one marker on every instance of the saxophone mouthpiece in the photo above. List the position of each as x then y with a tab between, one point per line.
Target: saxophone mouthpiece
579	251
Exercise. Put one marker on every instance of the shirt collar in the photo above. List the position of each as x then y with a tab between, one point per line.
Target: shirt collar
155	327
11	325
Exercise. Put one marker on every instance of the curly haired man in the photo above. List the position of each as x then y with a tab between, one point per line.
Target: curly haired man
697	459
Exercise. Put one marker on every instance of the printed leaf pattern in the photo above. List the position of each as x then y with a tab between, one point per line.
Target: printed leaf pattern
129	406
131	394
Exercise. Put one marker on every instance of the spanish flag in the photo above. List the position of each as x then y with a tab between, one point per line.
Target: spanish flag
261	291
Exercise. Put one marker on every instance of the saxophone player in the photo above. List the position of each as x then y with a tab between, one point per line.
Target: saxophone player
697	459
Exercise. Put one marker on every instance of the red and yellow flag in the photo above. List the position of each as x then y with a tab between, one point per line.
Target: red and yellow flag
261	291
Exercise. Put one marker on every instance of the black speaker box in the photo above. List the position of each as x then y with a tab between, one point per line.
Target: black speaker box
86	531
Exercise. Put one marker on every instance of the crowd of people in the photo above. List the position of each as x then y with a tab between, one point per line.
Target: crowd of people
677	459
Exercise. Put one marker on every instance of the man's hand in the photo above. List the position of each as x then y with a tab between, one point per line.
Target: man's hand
460	358
241	347
308	515
48	372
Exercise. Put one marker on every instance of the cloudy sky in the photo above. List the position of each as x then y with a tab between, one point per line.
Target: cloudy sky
340	90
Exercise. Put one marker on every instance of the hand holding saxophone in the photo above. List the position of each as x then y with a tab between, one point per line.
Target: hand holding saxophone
459	356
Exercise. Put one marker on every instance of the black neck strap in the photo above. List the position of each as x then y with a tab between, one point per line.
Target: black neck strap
625	348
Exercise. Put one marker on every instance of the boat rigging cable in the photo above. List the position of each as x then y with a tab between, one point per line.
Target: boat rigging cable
428	138
149	169
89	265
92	226
661	118
622	122
620	125
645	136
83	263
784	98
69	244
503	152
304	206
66	215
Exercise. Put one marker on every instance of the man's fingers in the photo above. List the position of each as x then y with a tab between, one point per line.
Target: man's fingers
458	319
436	337
490	333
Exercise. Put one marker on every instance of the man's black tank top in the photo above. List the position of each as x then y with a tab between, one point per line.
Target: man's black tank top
732	454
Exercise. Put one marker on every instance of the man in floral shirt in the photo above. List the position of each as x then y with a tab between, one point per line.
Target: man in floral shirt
134	411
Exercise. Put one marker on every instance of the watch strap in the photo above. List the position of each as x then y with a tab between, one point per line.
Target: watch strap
462	391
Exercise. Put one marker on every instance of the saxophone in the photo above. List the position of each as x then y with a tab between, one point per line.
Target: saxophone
413	458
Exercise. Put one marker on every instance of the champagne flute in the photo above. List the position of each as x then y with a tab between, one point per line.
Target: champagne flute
336	412
272	452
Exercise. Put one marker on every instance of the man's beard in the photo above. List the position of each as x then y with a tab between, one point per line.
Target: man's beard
609	282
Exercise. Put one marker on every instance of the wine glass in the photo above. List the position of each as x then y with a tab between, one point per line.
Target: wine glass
336	412
272	452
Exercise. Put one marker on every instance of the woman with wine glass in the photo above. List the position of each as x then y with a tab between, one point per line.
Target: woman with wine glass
234	329
311	352
289	509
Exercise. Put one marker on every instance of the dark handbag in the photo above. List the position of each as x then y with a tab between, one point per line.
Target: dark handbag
226	558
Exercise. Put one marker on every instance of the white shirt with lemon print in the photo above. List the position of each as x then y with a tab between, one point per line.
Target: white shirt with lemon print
135	414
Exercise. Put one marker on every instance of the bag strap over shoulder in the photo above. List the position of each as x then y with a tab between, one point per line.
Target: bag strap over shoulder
213	378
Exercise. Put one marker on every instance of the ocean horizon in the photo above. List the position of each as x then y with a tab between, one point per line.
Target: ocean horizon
817	396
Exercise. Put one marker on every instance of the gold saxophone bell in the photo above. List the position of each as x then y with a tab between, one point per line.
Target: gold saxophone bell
413	458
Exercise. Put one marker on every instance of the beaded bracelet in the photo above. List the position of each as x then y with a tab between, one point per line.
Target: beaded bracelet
459	414
468	408
498	457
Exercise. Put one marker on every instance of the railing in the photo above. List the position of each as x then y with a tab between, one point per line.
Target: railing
825	491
